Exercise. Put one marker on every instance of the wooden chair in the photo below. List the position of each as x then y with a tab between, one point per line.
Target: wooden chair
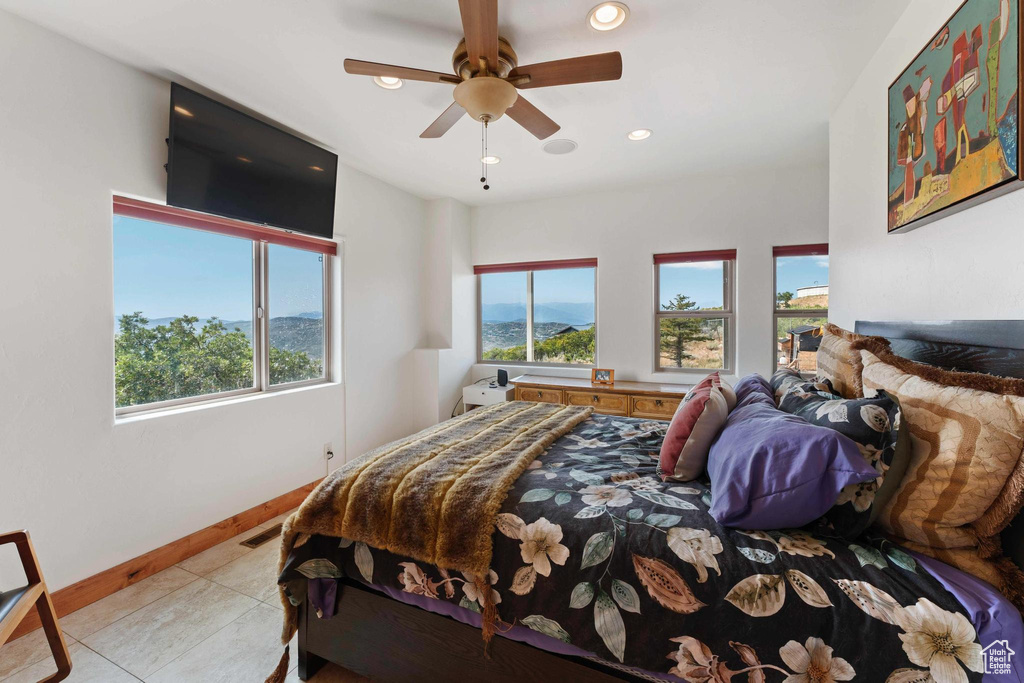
17	603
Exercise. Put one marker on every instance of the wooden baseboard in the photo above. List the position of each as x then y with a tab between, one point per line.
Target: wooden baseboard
89	590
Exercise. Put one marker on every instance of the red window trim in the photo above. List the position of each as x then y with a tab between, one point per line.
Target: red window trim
695	256
161	213
535	265
801	250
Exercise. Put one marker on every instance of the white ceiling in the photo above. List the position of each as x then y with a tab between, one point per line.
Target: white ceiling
724	84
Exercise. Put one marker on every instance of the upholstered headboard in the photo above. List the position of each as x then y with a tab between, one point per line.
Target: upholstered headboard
994	347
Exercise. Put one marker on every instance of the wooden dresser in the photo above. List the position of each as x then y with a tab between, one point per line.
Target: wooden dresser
629	399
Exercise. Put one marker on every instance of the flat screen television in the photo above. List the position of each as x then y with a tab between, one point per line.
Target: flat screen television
227	163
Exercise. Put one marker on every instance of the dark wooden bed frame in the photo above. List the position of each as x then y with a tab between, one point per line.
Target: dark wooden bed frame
387	640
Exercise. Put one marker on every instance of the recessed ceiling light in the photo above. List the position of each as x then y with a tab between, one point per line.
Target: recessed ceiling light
607	16
388	82
640	134
181	110
490	160
560	146
244	159
316	168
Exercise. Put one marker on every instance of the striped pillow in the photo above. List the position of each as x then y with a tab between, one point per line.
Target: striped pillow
839	363
965	480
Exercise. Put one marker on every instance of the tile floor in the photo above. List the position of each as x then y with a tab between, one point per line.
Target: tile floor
214	617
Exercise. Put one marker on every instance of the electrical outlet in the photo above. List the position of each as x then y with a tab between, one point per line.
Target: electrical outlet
328	451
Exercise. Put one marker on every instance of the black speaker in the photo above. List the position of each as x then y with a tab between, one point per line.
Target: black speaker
502	378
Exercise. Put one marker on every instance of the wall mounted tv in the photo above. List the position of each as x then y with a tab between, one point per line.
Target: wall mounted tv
227	163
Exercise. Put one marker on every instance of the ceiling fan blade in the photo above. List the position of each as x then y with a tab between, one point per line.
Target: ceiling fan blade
361	68
532	119
480	25
602	67
445	121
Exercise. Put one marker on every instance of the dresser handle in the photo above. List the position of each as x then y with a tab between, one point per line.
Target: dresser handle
539	394
595	398
658	402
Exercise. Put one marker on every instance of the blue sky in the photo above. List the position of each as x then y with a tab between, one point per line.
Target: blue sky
503	288
167	271
701	282
571	285
296	281
793	272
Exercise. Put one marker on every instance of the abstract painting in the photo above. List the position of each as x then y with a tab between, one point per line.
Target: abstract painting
954	116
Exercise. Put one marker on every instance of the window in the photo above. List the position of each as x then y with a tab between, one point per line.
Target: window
295	311
800	306
503	316
208	308
694	318
542	312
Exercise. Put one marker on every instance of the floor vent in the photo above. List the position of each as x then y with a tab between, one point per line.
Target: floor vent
262	537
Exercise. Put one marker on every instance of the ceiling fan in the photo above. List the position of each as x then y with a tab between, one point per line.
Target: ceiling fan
487	75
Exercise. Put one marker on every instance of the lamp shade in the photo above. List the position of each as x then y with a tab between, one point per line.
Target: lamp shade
485	97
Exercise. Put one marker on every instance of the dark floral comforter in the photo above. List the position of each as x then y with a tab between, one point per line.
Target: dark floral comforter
592	548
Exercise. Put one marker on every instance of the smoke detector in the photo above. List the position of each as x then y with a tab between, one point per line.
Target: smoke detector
560	146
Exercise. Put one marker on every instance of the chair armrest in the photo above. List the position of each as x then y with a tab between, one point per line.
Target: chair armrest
14	537
26	552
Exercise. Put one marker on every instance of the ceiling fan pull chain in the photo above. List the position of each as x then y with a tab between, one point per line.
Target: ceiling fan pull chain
483	164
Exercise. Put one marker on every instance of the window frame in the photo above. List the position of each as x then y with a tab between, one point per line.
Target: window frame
261	238
529	267
727	314
779	313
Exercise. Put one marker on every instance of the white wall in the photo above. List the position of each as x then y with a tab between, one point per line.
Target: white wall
966	266
449	307
456	364
74	128
625	228
383	231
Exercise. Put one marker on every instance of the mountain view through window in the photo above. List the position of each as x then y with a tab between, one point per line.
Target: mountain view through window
563	316
183	307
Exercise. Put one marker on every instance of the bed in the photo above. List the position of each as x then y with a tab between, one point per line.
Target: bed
601	571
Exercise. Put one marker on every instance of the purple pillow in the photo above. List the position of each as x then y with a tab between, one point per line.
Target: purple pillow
773	470
751	389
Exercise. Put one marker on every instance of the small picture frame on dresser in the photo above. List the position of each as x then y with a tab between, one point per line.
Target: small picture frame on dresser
602	376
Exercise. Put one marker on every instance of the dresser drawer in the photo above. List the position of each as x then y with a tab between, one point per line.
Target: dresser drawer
538	395
653	407
609	404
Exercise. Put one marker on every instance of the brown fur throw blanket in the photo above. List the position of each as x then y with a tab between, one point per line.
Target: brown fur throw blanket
432	496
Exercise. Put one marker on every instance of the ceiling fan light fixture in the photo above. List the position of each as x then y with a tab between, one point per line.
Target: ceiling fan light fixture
608	16
388	82
491	160
639	134
485	97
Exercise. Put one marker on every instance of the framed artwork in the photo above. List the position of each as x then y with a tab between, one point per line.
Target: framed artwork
954	117
602	376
